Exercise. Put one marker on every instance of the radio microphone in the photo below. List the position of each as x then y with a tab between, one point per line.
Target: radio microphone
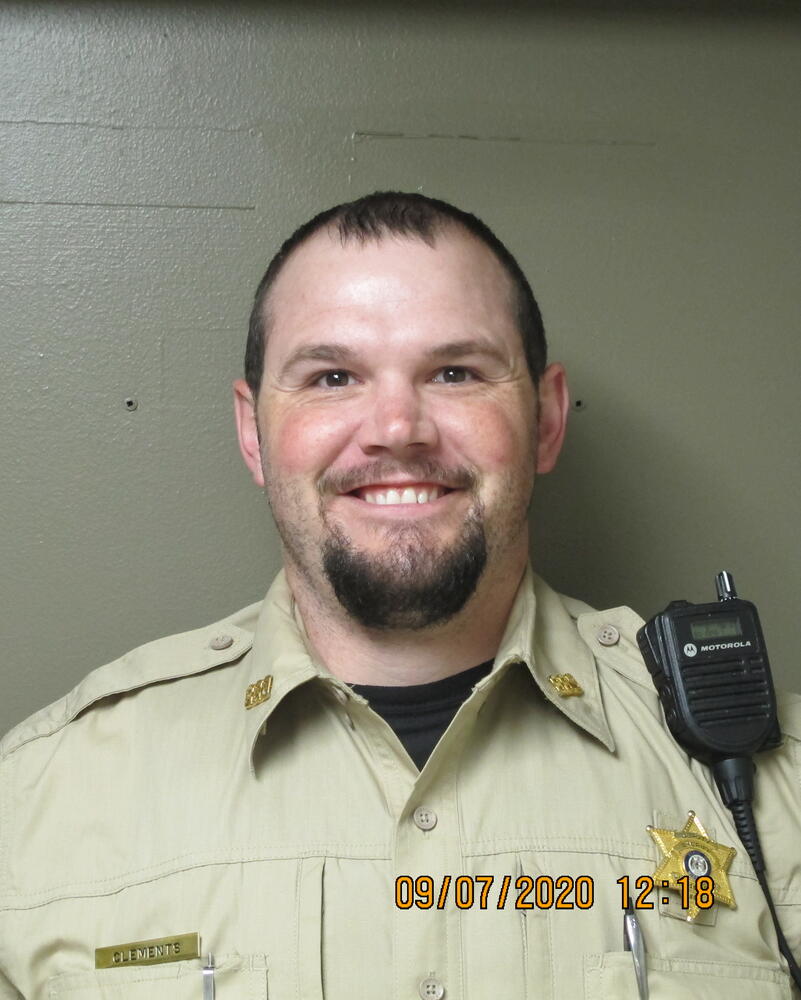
711	670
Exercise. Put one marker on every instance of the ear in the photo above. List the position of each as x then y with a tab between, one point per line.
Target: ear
247	430
554	401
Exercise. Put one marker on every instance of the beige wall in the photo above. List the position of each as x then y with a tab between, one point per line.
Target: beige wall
643	168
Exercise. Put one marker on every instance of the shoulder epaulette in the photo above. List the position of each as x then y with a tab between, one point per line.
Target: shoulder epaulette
612	637
171	658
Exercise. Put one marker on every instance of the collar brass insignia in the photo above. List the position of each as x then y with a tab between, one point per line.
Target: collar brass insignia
566	685
258	692
688	855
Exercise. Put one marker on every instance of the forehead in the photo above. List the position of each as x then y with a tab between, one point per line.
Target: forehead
381	285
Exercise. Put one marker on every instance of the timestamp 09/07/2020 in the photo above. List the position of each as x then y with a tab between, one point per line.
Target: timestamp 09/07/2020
544	892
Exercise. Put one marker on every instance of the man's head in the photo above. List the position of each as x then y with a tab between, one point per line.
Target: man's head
394	358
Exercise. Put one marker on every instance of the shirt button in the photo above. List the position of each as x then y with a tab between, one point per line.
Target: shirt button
425	819
608	635
431	989
221	642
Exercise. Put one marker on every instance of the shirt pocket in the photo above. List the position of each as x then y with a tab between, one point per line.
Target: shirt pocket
611	976
236	977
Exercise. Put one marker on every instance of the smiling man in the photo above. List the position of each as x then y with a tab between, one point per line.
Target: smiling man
400	478
413	770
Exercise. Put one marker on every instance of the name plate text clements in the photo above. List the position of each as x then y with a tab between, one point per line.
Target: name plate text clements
177	948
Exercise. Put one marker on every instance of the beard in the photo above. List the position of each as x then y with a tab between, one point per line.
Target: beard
411	585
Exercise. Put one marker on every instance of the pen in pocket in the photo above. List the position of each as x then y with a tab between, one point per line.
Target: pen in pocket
208	978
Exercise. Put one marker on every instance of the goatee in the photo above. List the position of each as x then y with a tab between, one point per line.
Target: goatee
411	585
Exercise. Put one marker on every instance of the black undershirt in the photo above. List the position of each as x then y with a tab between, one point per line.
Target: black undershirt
420	713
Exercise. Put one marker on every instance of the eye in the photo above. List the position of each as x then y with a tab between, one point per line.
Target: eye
454	374
338	376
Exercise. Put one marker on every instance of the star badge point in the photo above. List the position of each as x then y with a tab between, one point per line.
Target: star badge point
690	853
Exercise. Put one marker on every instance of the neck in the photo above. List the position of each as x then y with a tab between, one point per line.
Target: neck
360	655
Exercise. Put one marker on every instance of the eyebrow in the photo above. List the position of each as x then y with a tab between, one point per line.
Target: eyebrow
343	353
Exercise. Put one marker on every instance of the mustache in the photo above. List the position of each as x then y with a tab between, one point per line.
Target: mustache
420	472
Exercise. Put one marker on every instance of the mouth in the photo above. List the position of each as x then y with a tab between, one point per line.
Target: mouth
401	494
417	500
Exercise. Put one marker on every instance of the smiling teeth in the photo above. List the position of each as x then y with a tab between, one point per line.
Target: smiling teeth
407	495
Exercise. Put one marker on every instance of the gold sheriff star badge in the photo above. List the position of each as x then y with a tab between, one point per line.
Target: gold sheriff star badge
687	855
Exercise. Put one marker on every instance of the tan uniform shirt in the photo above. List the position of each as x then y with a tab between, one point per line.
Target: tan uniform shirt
149	803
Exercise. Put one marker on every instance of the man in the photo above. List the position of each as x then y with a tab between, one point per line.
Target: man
414	770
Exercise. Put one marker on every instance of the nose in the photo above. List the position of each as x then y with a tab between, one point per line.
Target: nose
396	419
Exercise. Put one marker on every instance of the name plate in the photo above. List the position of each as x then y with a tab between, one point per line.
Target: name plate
177	948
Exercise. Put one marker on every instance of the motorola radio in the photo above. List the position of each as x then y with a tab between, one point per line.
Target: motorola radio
710	668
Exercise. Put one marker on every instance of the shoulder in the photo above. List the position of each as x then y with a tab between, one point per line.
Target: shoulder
611	636
172	658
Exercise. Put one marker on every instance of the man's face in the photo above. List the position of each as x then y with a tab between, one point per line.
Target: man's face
398	424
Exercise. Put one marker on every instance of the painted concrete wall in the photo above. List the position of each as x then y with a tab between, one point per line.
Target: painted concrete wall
644	168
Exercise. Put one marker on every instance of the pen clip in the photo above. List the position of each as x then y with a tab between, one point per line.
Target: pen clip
208	978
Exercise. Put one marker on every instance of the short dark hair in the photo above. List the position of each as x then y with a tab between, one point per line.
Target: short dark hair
401	214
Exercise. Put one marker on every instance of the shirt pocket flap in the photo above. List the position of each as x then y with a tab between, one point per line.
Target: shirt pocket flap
611	977
236	977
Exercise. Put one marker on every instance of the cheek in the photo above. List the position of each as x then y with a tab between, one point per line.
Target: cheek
302	440
501	447
497	441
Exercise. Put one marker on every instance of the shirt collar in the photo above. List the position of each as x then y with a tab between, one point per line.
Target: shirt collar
541	632
280	657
